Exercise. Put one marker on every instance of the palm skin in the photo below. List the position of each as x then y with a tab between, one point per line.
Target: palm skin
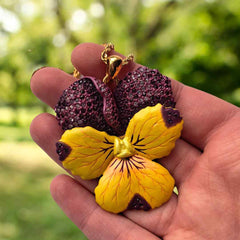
208	203
205	164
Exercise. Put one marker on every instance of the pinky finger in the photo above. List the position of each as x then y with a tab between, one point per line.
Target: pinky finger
79	205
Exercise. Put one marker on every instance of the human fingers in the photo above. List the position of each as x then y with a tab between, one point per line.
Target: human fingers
45	131
157	220
181	161
49	83
79	205
86	57
202	112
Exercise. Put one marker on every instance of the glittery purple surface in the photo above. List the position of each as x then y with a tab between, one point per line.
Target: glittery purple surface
139	89
138	203
90	102
110	111
63	150
82	104
171	116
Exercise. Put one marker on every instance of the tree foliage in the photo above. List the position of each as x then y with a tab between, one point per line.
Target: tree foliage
196	42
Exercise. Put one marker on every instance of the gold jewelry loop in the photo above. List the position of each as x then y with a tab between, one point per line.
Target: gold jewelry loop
114	63
76	73
129	58
108	47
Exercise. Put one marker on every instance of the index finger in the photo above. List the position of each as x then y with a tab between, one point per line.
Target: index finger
202	112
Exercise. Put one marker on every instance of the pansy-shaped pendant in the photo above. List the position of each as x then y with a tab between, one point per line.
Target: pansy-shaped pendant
100	143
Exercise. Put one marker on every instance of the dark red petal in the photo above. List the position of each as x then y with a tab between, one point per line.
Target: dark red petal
63	150
82	105
139	89
110	110
138	203
171	116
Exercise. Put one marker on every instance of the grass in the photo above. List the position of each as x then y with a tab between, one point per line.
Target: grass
27	210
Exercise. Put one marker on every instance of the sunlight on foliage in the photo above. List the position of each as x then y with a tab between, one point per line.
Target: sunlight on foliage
195	42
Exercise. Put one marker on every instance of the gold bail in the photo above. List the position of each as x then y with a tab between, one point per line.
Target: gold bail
76	73
114	63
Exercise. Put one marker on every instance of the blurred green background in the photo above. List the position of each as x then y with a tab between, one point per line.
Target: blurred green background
196	42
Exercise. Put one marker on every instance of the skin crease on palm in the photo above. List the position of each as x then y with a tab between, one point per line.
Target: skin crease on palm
205	164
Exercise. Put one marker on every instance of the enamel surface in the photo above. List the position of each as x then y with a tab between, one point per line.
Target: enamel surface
149	134
130	179
115	133
91	153
63	150
90	102
84	104
171	116
124	178
139	89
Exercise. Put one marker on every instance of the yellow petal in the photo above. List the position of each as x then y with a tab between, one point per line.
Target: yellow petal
133	183
91	151
153	131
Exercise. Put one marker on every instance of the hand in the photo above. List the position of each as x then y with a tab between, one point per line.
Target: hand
205	164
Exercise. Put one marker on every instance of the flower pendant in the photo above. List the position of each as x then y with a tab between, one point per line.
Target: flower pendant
115	134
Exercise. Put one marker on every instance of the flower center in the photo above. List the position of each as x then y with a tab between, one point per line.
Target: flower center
123	148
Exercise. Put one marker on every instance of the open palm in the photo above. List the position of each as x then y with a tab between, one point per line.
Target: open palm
205	164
